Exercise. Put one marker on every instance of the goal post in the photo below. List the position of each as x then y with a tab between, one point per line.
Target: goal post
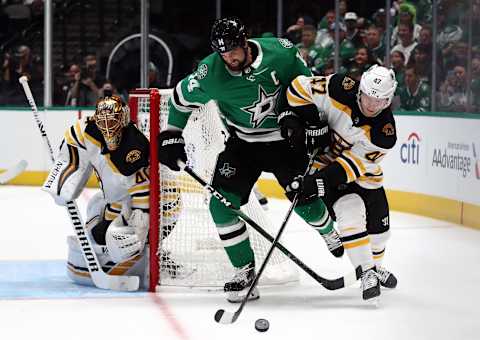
184	247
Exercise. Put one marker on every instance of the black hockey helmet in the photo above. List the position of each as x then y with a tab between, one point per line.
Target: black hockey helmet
227	34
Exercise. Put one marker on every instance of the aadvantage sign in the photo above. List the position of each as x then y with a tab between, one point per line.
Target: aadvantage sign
454	156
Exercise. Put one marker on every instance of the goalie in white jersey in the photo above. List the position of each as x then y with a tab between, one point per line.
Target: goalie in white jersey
118	217
348	176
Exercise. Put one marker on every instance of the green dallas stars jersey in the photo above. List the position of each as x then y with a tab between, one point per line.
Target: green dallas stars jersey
249	101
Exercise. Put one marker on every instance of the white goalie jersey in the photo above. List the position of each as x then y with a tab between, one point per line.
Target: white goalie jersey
358	143
122	173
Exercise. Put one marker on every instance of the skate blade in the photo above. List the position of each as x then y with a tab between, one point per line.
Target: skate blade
374	302
237	297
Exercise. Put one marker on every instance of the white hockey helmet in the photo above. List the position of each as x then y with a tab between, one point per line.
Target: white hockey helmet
379	82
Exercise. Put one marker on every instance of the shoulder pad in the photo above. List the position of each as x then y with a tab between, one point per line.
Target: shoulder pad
384	131
343	89
133	152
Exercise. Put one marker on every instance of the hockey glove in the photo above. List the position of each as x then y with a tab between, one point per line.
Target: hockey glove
292	129
318	137
171	148
308	187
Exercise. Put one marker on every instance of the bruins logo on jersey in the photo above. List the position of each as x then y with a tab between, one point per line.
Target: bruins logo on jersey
348	83
388	129
133	156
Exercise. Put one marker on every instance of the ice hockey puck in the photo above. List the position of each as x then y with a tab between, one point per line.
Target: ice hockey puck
262	325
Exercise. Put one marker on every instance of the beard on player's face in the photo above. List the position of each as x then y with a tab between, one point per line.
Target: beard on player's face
235	59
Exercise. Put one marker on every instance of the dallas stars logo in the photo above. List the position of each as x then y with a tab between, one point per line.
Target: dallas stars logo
263	108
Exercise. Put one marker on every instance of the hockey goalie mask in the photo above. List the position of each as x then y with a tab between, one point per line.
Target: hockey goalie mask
111	116
377	88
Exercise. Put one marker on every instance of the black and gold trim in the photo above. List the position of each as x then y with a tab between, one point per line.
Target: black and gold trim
70	169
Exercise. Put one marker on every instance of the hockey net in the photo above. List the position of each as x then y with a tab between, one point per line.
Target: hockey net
185	249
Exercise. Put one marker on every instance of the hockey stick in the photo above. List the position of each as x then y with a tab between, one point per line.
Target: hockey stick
222	316
330	284
99	277
13	172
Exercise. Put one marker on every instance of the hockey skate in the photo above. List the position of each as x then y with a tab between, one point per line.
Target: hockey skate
237	288
370	285
334	244
386	278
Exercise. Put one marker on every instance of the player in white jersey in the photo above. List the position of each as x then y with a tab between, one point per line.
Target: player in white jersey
117	218
348	175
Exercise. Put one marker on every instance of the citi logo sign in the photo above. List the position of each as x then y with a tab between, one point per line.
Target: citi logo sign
410	150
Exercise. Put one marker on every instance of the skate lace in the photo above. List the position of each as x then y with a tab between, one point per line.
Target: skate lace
383	274
241	274
332	240
369	279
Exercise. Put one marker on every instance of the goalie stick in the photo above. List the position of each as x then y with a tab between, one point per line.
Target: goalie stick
99	277
13	172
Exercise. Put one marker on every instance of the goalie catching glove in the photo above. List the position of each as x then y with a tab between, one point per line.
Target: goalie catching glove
125	241
171	148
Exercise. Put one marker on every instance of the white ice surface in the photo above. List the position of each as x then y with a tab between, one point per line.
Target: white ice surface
438	296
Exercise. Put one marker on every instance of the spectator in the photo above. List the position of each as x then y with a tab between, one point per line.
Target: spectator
476	84
398	64
415	95
361	62
375	44
21	63
353	34
421	60
83	91
455	54
407	44
323	37
91	70
294	32
407	15
453	91
107	90
153	81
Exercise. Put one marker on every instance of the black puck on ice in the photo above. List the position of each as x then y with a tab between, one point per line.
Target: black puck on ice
262	325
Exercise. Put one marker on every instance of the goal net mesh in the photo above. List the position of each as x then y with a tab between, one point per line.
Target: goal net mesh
185	249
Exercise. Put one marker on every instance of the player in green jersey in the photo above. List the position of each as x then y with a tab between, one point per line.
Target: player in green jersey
247	78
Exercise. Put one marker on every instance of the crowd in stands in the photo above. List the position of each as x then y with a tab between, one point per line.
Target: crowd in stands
362	42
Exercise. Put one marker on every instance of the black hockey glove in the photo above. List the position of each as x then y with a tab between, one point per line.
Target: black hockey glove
292	129
318	137
308	187
171	148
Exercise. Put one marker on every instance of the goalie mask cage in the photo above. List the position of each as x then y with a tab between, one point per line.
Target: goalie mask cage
184	246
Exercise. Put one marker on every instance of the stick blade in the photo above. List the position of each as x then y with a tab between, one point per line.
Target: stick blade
118	283
13	172
222	316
